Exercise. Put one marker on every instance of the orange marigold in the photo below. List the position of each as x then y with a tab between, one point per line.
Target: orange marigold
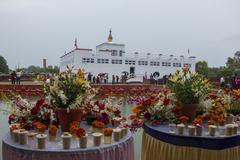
98	124
52	130
80	132
197	121
184	119
211	122
107	131
41	127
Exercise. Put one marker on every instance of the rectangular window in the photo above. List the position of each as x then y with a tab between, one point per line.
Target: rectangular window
87	60
116	61
166	64
121	53
114	53
130	62
177	65
154	63
142	63
102	61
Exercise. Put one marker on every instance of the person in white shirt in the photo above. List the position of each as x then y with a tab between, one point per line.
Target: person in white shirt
222	81
18	76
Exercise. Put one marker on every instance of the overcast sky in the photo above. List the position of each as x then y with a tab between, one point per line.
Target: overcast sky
31	30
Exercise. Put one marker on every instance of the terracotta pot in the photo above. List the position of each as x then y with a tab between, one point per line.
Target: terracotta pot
65	117
190	110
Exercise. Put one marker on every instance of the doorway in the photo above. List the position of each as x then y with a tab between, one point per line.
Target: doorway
132	71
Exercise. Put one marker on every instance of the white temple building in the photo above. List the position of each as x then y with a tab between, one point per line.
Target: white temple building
111	58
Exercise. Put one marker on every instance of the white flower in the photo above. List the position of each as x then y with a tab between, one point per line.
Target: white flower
62	96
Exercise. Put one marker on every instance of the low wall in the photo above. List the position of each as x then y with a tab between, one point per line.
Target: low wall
103	89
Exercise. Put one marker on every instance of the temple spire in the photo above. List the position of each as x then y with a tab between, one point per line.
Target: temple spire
75	44
110	38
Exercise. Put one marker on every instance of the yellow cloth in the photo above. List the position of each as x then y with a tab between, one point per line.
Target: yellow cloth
154	149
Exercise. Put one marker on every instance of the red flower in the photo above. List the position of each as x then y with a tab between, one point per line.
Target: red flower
166	101
37	107
80	132
101	106
11	118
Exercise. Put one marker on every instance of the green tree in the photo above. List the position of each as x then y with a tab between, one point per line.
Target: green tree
202	68
234	62
3	65
226	72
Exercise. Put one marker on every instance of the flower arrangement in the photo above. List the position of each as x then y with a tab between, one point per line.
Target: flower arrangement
69	90
74	127
41	127
80	132
215	108
13	127
198	121
184	119
154	110
52	130
26	113
105	110
98	124
189	88
107	131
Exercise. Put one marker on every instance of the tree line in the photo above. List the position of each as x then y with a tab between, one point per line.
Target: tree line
31	69
231	68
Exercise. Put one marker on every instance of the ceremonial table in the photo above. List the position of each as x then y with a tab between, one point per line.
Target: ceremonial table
159	144
121	150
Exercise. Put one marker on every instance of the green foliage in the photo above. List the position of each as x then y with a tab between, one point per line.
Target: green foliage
189	88
69	90
226	72
3	65
38	70
202	68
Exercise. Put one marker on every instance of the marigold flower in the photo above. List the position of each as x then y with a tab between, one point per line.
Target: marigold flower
107	131
52	130
97	124
184	119
211	122
41	127
197	121
80	132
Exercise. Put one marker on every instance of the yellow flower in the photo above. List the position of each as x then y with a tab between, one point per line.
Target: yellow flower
185	69
177	72
80	73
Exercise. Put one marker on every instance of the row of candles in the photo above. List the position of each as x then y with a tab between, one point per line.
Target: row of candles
227	130
24	137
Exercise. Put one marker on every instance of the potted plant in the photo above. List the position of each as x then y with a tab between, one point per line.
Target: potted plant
67	95
189	89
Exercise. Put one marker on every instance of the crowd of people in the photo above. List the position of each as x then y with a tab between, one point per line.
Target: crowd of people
234	83
103	78
16	77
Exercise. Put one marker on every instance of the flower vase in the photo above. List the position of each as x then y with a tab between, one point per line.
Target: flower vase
107	139
83	142
52	138
66	140
67	116
190	110
199	131
97	139
41	141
